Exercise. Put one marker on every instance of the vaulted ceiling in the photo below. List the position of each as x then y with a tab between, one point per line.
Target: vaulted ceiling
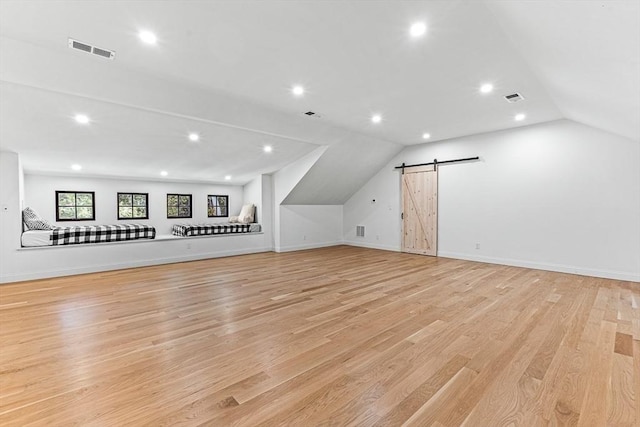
225	69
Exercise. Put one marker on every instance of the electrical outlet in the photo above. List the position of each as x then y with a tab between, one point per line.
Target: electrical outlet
304	237
477	245
377	237
188	245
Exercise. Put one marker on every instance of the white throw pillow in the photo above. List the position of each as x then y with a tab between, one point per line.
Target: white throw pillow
233	219
246	213
33	221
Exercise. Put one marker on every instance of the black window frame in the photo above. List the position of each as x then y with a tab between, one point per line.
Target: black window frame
216	196
146	205
75	206
179	206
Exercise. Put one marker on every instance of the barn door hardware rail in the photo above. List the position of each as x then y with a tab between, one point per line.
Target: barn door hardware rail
436	162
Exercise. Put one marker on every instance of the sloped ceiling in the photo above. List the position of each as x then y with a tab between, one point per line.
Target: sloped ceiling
224	69
342	170
585	53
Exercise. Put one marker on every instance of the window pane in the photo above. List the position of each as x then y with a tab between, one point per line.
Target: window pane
139	200
185	200
184	212
125	212
172	200
66	199
67	213
139	212
84	213
124	199
172	211
84	199
217	206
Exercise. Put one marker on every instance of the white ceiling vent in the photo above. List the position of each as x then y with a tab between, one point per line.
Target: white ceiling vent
514	97
78	45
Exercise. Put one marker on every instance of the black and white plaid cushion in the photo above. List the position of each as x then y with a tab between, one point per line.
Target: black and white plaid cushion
186	230
101	233
33	221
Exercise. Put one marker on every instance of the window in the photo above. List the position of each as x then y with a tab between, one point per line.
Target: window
75	206
178	205
133	205
217	206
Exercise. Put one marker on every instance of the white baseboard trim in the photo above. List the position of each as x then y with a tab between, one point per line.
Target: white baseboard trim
133	264
607	274
617	275
372	245
316	245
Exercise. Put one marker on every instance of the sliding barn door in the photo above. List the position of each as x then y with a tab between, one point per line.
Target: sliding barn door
420	210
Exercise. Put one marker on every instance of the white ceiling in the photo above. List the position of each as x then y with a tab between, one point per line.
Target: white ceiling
585	53
225	68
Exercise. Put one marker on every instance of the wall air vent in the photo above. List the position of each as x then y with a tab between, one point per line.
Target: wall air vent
78	45
359	230
514	97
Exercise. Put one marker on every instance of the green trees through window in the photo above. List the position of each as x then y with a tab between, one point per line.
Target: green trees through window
178	205
217	206
75	206
133	205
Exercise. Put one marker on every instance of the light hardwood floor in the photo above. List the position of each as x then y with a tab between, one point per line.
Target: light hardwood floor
334	336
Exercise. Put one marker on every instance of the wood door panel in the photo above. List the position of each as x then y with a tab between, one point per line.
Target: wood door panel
420	212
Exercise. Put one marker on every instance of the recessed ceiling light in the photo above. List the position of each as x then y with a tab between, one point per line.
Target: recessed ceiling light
76	167
194	137
148	37
418	29
426	135
164	173
486	88
298	90
268	148
519	117
227	177
82	118
376	118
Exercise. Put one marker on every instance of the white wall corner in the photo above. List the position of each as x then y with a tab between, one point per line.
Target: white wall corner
534	199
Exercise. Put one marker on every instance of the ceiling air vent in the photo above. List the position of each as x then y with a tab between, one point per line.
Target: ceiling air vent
514	97
80	46
75	44
104	53
312	114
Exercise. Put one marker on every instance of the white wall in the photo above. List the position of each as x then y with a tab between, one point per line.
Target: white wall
310	226
303	226
259	192
559	196
283	181
10	212
32	263
252	193
40	195
268	208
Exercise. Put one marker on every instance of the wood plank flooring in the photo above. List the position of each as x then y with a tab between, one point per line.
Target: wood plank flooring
334	336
